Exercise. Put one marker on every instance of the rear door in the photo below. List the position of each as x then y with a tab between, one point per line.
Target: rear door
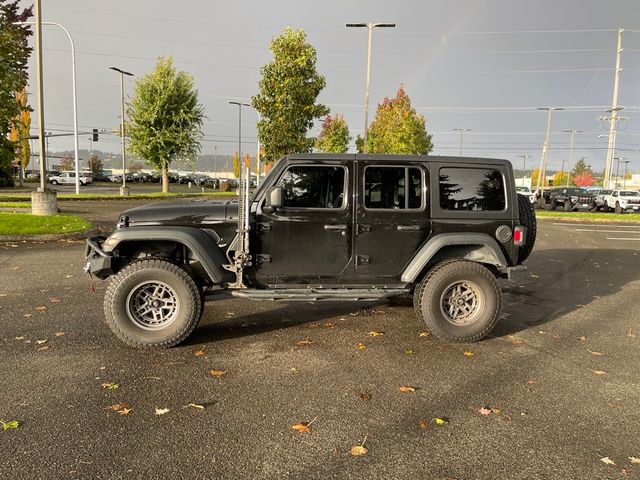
392	220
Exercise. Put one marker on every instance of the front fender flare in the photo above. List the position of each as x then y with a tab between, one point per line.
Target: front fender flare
488	251
202	245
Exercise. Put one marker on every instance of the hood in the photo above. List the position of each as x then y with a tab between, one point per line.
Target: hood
190	212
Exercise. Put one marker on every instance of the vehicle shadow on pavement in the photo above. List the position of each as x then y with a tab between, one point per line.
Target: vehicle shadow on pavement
562	281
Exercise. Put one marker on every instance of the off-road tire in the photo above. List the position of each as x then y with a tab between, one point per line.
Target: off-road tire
140	276
567	206
552	205
618	208
527	217
605	207
54	182
434	290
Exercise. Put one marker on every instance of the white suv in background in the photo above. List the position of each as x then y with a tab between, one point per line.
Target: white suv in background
622	201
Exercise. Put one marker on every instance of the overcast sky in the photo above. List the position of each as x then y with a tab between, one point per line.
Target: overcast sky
479	65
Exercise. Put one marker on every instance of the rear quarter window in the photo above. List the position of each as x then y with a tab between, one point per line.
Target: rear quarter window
471	189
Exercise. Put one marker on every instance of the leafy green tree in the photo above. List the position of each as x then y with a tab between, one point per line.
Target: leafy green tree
334	136
288	91
581	167
14	55
165	118
398	128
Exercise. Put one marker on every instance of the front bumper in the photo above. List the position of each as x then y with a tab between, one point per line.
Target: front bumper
99	263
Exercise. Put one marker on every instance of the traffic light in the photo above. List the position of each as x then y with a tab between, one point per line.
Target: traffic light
95	135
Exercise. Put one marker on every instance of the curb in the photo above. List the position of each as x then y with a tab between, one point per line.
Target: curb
50	238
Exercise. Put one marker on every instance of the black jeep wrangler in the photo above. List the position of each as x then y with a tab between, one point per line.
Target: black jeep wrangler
571	198
324	227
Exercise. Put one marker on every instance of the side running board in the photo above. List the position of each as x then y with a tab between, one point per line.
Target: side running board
320	294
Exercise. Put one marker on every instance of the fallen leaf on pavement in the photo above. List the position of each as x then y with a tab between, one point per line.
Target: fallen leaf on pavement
424	334
27	315
329	325
376	334
199	353
19	338
117	407
194	405
598	372
68	276
162	411
305	342
54	299
631	334
361	346
407	389
124	411
359	450
584	339
40	342
423	424
303	427
43	348
59	334
615	405
41	308
596	354
217	373
109	386
607	460
440	421
634	459
4	294
532	381
516	340
495	411
409	351
468	353
485	411
10	425
365	396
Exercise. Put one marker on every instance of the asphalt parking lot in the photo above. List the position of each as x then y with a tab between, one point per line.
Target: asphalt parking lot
558	378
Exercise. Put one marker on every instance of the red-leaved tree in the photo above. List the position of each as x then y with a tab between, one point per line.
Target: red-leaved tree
583	179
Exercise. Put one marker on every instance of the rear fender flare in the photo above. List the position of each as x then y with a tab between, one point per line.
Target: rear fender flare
477	247
201	244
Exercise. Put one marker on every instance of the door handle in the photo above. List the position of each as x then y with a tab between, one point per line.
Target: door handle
409	228
336	228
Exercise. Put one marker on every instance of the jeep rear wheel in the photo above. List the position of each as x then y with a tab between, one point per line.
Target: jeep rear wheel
152	304
459	301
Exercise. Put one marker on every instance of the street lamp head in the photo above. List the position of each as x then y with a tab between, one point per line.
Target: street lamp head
550	108
356	24
240	104
122	72
384	25
373	25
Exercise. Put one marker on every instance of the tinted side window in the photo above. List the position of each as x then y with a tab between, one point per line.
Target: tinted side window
384	188
479	189
313	187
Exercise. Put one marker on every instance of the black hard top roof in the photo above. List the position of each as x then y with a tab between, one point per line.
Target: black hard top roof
394	158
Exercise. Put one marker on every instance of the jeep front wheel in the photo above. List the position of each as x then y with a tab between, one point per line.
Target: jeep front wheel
152	303
459	301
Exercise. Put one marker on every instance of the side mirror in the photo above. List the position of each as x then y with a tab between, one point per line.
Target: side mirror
273	199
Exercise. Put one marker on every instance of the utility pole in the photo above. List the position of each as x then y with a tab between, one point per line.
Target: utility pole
572	132
461	130
614	115
545	147
524	166
617	178
370	26
624	179
124	191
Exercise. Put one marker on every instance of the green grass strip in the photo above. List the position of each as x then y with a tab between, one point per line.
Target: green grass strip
601	217
27	224
15	204
101	196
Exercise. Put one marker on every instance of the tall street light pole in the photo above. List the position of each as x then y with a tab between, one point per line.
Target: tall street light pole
370	26
461	130
613	118
524	166
545	147
572	132
75	96
624	178
123	188
618	160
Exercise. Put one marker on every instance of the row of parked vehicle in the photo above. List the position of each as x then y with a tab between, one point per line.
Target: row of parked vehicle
592	199
62	178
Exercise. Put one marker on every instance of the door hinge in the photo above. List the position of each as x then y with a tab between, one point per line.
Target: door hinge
362	259
263	258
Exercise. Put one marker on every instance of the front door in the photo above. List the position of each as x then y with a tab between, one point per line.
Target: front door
308	240
392	218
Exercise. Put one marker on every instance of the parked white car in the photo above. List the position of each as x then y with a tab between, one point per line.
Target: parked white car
69	178
622	201
526	191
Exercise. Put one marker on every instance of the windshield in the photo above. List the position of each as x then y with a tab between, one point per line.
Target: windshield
629	193
577	191
522	189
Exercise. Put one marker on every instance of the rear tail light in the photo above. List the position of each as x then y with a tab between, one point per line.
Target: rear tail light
519	235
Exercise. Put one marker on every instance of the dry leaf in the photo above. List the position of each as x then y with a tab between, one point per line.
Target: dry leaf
634	459
615	405
162	411
329	325
217	373
532	381
376	334
424	334
516	340
584	339
365	396
361	346
41	308
358	451
468	353
54	299
301	427
199	353
596	354
631	334
496	411
607	460
109	386
423	424
124	411
27	315
68	276
194	405
4	294
19	338
485	411
598	372
117	406
40	342
43	349
59	334
440	421
305	342
407	389
409	351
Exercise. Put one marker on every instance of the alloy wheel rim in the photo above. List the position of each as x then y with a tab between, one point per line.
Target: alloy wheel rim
153	305
462	302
